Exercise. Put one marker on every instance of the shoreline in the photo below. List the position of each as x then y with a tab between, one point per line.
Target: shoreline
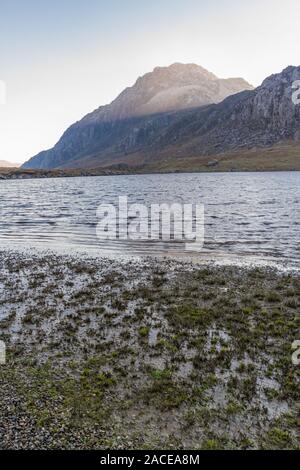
146	354
201	259
283	156
52	174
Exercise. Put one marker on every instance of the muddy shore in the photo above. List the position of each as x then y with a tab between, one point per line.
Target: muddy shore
146	354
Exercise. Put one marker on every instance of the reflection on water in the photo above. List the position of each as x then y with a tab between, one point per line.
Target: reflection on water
253	215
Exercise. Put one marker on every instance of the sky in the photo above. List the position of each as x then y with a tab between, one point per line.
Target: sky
61	59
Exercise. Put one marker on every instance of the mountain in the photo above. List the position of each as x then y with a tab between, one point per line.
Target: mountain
126	133
5	164
165	90
260	118
179	86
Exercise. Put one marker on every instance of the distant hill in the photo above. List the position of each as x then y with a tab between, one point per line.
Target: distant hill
142	131
5	164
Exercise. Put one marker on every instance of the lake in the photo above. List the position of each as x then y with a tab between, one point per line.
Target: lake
249	217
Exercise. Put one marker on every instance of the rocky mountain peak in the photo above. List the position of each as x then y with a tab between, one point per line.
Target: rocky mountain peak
180	73
176	87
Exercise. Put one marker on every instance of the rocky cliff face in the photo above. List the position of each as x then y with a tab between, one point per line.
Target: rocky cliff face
130	131
259	118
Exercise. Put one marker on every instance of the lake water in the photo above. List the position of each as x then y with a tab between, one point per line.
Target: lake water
248	216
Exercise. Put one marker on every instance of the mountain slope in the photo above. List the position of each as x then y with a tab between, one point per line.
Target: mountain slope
251	119
165	90
259	118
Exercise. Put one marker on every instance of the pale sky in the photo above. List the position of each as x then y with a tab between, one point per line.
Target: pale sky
61	59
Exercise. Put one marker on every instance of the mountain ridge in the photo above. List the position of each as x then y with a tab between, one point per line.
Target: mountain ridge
178	86
262	117
165	89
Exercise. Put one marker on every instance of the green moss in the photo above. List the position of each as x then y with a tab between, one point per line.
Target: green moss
278	438
188	316
144	331
158	374
210	444
273	297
